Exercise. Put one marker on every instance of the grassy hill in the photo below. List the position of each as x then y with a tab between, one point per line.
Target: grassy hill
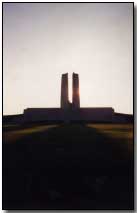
68	166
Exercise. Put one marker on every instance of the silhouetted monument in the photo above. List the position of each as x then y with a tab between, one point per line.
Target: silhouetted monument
65	103
75	91
72	111
64	91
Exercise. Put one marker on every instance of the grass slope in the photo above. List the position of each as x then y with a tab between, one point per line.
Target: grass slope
68	167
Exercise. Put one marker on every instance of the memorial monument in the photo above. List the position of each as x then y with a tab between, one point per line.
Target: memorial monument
65	103
72	111
75	91
64	91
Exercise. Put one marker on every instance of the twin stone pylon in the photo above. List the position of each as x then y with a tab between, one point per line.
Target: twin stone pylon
65	104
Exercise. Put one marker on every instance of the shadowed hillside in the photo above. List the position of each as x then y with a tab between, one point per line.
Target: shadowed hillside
68	166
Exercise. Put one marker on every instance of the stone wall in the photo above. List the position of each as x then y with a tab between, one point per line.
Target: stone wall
81	114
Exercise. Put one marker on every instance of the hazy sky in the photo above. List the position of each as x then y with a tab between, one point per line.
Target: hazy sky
43	40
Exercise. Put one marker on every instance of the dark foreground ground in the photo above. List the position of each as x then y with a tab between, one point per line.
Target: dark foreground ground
68	166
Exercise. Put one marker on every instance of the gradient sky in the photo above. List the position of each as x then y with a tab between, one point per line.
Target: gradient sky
43	40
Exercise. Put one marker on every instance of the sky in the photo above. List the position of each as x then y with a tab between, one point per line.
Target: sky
41	41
